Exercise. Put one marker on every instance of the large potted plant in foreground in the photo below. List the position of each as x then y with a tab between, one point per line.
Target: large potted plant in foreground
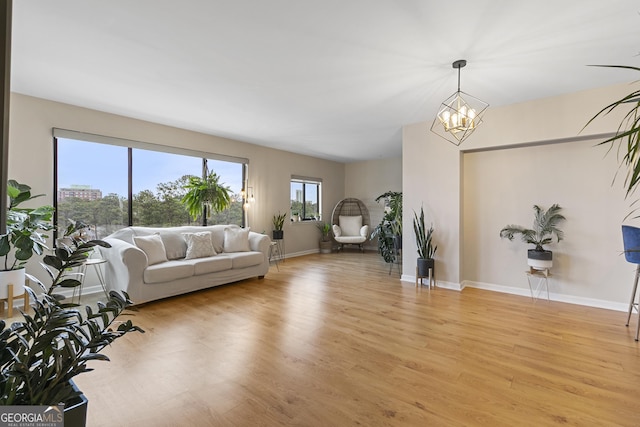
40	356
545	227
24	237
424	242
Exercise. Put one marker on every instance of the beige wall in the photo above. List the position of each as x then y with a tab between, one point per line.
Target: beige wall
369	179
524	154
31	159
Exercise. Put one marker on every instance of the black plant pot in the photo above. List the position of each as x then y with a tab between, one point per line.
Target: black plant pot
539	260
278	234
397	243
75	412
424	264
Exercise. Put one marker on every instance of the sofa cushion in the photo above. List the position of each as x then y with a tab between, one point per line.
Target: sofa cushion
236	239
246	259
153	247
199	245
211	264
168	271
350	225
174	244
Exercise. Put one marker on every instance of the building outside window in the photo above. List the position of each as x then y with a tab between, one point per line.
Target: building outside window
306	201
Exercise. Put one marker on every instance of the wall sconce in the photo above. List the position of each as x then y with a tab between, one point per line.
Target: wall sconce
248	197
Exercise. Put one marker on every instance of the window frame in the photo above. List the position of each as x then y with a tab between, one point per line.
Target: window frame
295	179
58	133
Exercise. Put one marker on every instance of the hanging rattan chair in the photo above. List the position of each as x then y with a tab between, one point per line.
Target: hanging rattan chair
350	223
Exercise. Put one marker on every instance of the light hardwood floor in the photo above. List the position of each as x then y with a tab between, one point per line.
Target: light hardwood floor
333	340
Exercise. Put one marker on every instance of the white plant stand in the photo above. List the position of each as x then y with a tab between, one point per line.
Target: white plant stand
538	282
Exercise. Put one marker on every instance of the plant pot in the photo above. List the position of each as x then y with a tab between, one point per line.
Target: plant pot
326	246
397	243
424	264
539	260
75	412
278	234
15	277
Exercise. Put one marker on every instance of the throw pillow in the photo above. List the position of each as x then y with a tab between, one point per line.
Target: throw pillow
174	244
350	225
199	245
236	239
153	247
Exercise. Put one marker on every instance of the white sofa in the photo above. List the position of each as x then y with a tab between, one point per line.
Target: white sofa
148	270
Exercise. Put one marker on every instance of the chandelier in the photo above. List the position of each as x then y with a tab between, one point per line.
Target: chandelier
459	115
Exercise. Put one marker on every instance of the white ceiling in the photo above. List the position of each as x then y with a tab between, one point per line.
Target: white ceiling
335	79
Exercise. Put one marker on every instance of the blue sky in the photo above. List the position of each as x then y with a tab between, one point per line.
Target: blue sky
104	167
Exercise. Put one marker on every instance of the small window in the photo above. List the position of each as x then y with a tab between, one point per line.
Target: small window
306	201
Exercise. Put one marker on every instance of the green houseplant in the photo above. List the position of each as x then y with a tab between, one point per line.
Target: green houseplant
40	356
389	230
424	242
205	195
627	135
325	239
23	238
278	223
545	227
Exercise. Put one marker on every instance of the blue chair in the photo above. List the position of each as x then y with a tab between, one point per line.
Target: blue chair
631	242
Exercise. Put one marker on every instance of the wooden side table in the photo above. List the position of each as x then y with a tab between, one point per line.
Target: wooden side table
10	298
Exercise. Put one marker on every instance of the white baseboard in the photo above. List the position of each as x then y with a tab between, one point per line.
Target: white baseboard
569	299
439	283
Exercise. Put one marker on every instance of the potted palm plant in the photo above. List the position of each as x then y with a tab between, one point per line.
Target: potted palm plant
627	135
545	227
325	240
24	237
40	356
278	223
424	242
205	195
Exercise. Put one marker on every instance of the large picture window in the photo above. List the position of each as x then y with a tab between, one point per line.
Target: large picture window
306	198
110	183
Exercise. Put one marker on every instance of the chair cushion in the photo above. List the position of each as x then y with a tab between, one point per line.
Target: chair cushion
153	247
350	225
337	231
351	239
199	245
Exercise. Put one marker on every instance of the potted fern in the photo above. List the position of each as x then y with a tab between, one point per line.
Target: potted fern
545	228
205	195
424	242
40	356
